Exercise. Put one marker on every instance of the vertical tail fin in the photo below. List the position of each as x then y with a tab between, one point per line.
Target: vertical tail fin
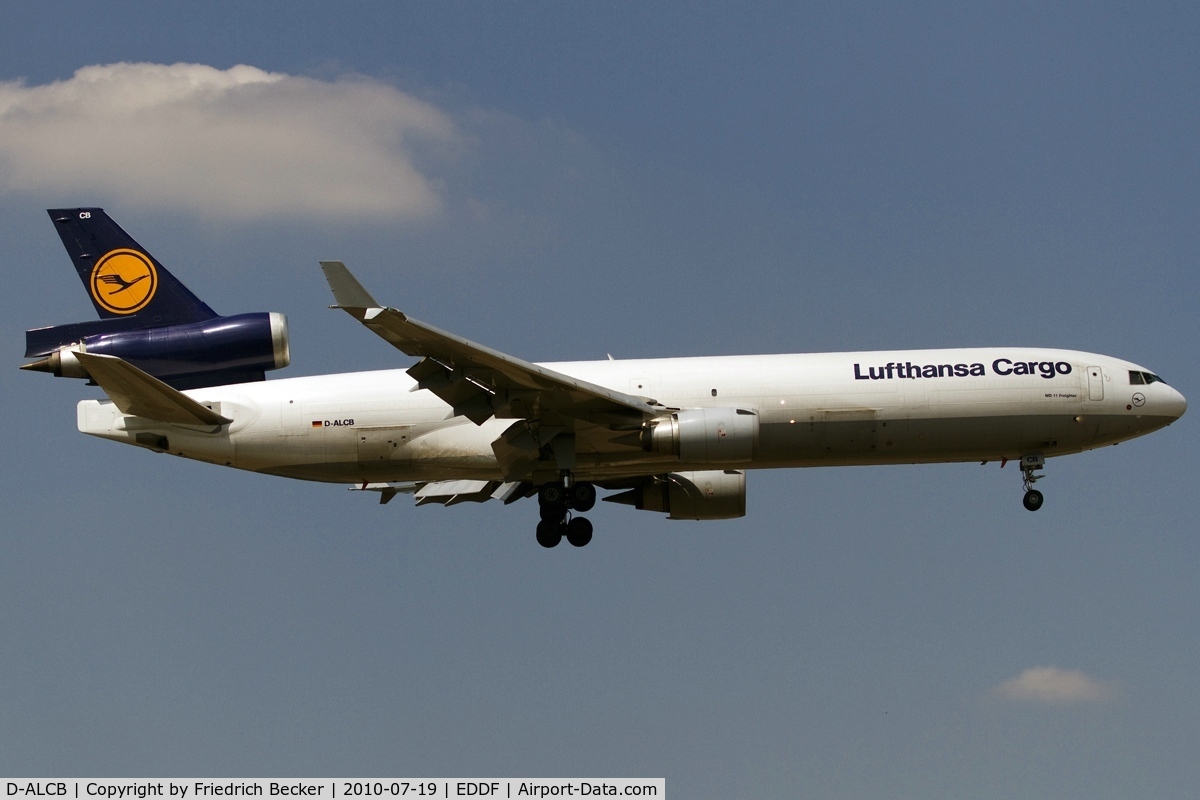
120	276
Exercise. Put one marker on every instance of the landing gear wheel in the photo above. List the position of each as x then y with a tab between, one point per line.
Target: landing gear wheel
553	495
553	513
549	534
579	531
1030	464
582	496
552	501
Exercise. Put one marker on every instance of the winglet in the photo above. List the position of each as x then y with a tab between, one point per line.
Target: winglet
347	291
134	392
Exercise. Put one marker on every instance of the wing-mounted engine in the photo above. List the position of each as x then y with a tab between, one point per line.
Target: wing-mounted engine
704	435
707	494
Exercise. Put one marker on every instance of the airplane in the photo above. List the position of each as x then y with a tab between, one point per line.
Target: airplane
467	423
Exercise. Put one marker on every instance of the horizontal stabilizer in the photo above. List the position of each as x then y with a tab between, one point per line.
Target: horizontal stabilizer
141	395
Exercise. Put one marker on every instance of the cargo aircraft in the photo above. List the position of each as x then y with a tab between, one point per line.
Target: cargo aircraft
467	423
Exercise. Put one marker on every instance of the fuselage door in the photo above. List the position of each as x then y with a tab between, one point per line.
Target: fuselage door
291	421
641	386
1095	383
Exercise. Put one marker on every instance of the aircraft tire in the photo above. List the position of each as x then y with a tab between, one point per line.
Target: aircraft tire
552	495
579	531
1033	500
582	496
553	513
549	534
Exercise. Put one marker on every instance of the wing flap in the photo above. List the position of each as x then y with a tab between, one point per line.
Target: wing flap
141	395
444	493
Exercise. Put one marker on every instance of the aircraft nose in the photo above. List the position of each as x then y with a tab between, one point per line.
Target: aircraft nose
1174	404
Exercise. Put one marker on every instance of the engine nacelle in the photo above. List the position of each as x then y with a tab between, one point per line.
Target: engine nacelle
705	435
221	350
707	494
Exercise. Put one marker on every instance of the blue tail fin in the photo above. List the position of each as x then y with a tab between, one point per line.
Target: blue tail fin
120	276
148	318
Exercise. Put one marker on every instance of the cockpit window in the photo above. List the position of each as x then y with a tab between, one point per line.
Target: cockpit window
1142	378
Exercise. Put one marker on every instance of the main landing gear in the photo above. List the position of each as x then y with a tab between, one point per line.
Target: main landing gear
557	500
1029	464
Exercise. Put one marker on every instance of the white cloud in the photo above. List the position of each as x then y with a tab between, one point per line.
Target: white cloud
234	143
1054	685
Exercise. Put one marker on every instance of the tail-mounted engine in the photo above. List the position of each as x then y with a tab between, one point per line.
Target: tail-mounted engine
222	350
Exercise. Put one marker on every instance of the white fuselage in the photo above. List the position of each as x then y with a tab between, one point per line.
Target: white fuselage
814	410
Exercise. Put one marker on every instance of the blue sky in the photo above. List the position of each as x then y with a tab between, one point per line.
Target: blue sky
561	182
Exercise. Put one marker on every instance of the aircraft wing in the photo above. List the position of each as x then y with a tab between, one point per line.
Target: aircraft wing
143	395
477	381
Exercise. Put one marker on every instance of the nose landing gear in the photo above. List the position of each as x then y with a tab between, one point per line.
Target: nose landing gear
556	502
1029	464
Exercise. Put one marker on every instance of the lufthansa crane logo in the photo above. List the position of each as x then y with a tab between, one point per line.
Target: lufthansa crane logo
123	281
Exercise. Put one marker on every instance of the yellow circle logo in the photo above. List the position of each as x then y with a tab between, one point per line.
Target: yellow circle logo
124	281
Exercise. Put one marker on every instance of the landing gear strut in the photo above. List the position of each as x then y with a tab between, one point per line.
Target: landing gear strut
1029	464
556	500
